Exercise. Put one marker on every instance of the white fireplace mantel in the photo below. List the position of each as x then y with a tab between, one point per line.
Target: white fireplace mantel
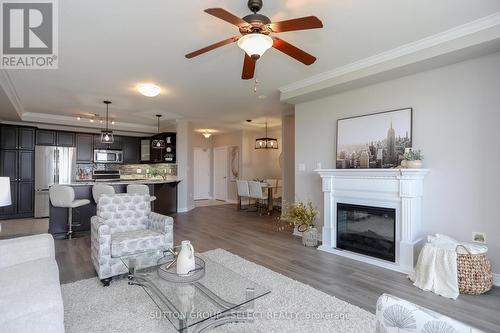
400	189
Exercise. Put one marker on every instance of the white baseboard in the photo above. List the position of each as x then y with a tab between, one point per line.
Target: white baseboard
185	209
496	279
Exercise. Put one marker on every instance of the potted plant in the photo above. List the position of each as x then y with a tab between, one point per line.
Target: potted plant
302	216
412	159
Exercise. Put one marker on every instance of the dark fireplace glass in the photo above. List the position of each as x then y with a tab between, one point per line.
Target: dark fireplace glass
367	230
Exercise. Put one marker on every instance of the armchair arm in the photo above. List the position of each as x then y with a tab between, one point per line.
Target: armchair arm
23	249
100	235
160	223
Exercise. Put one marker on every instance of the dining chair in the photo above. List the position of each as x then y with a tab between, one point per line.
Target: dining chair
257	194
243	192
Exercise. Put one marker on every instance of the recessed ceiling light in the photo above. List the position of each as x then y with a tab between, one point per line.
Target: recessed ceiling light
262	96
78	118
149	89
112	122
91	120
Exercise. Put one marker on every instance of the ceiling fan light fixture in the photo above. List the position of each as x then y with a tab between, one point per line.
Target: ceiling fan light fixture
149	89
255	44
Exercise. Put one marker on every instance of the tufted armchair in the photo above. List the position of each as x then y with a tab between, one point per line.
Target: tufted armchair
124	225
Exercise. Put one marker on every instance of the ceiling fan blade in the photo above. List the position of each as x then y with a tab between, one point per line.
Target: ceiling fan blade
211	47
293	51
226	16
303	23
248	68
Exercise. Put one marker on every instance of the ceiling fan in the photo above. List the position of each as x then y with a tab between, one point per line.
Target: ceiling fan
255	40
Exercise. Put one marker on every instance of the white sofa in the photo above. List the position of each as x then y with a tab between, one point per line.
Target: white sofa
395	315
30	293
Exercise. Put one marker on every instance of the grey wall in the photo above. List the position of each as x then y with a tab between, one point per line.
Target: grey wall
456	123
288	159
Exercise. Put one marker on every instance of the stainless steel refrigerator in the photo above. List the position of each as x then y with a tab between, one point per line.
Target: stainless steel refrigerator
53	165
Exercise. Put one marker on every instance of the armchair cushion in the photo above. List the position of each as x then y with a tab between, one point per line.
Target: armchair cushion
131	242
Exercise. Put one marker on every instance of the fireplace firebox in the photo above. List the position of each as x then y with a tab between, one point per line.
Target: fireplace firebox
367	230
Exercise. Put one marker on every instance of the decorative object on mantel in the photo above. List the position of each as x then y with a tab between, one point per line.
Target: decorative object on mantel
374	141
266	142
107	135
302	216
412	159
158	143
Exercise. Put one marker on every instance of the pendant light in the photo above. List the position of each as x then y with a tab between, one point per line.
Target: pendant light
107	135
266	142
158	143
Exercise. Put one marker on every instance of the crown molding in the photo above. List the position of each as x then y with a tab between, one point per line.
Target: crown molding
10	91
480	31
52	119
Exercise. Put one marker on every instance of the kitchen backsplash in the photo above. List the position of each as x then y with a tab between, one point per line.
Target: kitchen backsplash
129	171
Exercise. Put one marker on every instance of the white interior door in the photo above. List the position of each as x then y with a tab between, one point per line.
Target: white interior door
201	174
220	173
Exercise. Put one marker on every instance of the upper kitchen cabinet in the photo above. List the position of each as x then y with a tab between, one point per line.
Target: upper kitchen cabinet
9	137
165	154
131	149
46	138
115	145
66	139
26	138
14	137
84	148
145	150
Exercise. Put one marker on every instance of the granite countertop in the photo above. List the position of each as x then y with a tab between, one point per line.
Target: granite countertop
126	182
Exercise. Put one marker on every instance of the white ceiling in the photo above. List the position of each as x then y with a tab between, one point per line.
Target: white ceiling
107	47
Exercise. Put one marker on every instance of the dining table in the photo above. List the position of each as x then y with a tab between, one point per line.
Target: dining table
270	195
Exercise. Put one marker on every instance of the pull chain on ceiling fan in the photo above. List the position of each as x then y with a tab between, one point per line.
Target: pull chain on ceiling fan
255	39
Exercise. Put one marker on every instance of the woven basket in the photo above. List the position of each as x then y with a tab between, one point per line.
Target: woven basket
474	273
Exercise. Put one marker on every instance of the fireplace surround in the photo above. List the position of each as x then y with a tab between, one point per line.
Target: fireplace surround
397	190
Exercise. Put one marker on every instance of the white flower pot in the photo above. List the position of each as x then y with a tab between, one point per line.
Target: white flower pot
310	237
417	164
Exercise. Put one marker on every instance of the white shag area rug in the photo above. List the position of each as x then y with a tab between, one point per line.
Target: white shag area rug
290	307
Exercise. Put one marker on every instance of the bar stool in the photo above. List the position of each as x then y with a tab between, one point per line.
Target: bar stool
100	189
139	189
64	197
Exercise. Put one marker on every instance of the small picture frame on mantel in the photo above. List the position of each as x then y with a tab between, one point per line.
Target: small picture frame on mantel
374	141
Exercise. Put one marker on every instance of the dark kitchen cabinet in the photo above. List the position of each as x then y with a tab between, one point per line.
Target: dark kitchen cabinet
25	166
26	139
9	137
25	202
131	149
84	148
8	164
65	139
46	138
167	154
18	165
115	145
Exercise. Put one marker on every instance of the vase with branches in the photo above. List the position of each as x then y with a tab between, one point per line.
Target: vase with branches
302	216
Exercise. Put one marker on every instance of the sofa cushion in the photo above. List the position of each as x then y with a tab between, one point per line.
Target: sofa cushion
30	297
136	241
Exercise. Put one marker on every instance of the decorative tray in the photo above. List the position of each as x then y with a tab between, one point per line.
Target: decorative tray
168	271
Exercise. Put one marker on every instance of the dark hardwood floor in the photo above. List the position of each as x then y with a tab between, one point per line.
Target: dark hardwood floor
253	237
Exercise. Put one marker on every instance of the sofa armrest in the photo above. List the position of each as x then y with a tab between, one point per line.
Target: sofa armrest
160	223
395	314
23	249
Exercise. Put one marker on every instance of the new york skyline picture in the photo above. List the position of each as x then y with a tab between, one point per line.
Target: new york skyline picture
374	141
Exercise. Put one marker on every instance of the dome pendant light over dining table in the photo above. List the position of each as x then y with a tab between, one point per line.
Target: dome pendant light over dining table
107	134
158	143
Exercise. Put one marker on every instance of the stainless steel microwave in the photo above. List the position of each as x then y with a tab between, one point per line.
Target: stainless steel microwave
108	156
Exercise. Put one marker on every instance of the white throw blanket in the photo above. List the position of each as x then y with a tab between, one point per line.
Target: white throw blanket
436	269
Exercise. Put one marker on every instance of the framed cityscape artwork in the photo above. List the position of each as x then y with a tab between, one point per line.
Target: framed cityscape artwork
377	140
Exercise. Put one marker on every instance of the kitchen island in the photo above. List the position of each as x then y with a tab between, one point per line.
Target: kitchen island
165	192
